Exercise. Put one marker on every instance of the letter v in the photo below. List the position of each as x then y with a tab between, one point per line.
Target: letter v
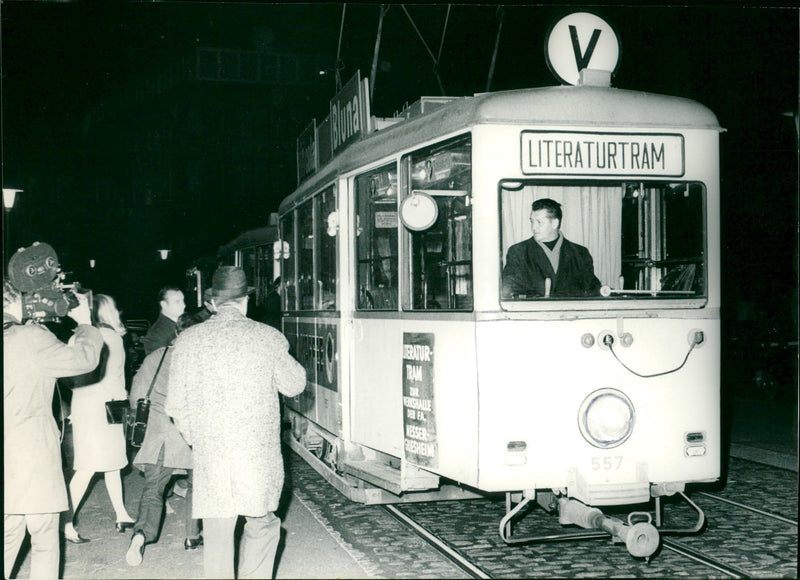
582	60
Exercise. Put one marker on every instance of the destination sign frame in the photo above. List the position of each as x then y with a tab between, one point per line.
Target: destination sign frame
602	153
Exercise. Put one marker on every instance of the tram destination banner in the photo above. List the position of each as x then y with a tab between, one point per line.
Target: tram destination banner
584	153
307	158
349	114
419	421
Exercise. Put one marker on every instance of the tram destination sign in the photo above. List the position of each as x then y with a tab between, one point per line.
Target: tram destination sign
584	153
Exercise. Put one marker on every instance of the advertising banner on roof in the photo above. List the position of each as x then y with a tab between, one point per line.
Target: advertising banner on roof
348	117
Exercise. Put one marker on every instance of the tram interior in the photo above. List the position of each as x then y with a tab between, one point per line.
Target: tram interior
646	239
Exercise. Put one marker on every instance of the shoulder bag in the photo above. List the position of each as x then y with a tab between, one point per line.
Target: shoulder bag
139	427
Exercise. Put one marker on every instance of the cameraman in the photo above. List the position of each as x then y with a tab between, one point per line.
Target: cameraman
35	493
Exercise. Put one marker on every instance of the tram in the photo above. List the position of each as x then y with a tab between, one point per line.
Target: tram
255	251
427	379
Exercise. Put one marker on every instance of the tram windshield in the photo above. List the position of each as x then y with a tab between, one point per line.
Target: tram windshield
623	240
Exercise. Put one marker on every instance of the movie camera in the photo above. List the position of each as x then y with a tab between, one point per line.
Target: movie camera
36	274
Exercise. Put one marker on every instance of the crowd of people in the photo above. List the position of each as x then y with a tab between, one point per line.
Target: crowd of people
212	380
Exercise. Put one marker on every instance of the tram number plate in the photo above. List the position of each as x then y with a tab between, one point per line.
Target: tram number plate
606	463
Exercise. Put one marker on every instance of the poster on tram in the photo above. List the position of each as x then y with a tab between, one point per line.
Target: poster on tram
419	421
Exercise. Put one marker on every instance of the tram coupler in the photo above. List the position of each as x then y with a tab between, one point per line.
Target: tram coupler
641	539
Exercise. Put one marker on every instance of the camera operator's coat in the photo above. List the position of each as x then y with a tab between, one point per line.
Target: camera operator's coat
224	380
33	358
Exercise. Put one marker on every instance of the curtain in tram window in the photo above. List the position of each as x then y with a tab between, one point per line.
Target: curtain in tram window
592	218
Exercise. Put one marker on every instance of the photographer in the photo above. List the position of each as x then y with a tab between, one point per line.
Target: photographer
34	489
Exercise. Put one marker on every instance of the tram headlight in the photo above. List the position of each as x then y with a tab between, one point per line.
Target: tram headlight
606	418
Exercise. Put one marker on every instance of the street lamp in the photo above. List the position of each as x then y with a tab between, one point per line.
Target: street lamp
9	196
92	262
164	254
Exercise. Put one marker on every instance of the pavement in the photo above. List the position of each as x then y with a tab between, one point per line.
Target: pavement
310	546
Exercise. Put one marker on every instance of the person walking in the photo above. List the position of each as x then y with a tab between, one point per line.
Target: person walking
225	377
163	452
33	481
100	446
164	329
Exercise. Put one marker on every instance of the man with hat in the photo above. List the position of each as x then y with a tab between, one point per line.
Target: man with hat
225	377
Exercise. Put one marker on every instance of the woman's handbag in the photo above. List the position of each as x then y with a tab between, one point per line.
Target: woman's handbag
117	411
139	427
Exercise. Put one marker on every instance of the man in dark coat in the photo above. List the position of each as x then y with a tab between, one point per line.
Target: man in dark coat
548	255
165	328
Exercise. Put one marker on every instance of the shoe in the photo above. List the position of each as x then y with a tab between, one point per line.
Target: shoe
74	537
192	543
135	550
123	527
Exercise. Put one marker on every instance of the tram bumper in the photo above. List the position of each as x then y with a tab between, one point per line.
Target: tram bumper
616	493
641	539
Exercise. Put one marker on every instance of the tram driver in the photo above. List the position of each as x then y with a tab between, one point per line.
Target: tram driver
548	255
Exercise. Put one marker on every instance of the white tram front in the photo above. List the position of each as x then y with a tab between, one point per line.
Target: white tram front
424	372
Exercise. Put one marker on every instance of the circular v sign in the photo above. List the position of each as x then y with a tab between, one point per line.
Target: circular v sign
578	41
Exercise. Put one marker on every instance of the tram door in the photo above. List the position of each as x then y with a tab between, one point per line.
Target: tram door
413	284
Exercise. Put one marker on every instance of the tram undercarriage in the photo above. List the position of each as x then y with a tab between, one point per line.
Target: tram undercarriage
370	477
640	536
364	475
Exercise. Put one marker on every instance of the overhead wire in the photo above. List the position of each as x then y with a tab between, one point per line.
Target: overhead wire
501	18
425	44
339	65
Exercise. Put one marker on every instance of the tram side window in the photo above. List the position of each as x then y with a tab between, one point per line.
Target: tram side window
327	280
376	239
305	256
249	263
646	240
437	215
288	262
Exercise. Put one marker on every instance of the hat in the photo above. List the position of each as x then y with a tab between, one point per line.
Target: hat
229	283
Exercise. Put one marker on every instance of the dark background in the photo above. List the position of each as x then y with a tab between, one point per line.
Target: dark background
114	176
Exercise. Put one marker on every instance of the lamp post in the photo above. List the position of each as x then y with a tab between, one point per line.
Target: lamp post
9	196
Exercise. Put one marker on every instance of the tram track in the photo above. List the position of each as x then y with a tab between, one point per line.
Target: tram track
459	539
749	508
704	559
450	553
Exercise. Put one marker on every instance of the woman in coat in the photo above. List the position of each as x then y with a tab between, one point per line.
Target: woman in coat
100	446
163	453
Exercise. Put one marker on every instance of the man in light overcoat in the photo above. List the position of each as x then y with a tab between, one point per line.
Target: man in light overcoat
33	481
224	380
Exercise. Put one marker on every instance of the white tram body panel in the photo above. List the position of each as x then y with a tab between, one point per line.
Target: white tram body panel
548	375
507	380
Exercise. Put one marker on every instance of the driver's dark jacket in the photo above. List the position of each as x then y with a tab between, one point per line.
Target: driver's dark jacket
527	267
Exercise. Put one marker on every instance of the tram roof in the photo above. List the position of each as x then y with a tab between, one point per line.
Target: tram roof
250	238
562	106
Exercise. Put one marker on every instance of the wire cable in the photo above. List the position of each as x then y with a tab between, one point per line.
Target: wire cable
610	344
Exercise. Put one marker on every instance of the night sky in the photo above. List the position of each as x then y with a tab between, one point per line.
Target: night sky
61	60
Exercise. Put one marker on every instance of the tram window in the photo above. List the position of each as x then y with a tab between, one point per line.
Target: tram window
646	240
249	264
288	262
305	256
438	268
376	239
327	280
